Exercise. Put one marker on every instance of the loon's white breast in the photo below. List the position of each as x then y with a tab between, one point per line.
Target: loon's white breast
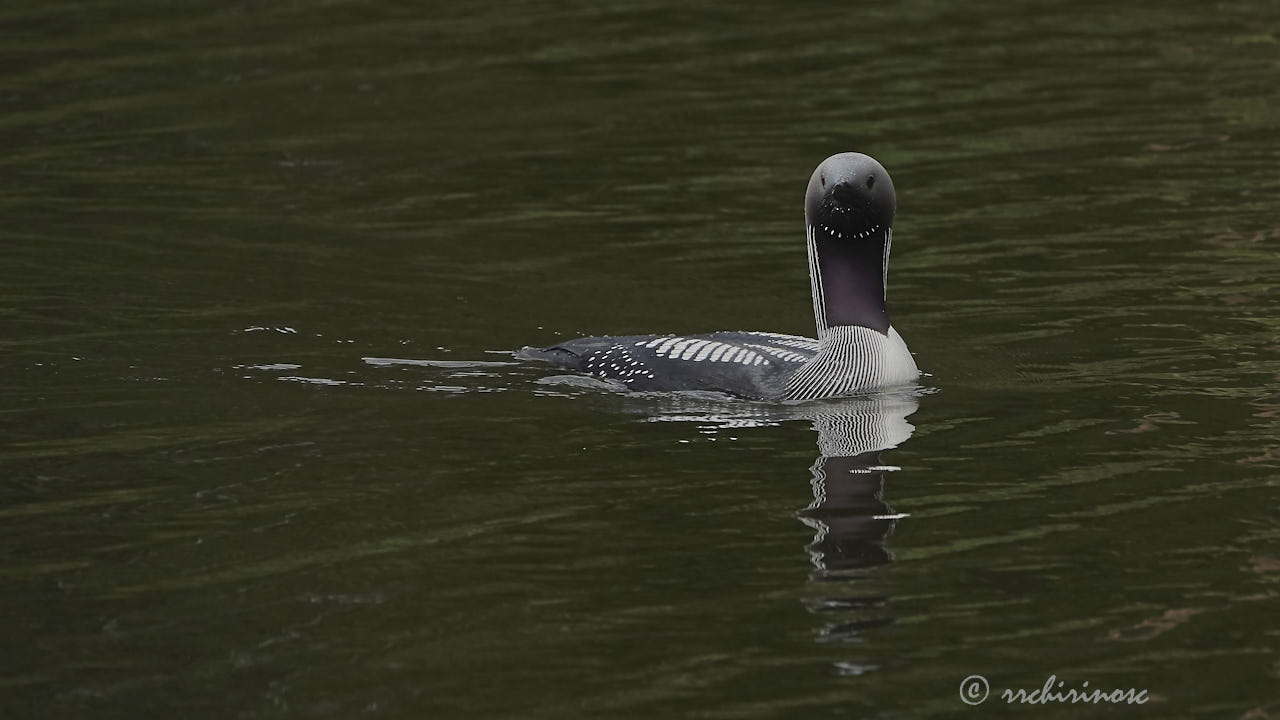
852	359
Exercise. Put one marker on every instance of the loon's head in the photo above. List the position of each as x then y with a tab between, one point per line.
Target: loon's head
849	210
851	198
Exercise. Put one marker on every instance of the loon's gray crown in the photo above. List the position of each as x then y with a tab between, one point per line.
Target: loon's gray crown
850	194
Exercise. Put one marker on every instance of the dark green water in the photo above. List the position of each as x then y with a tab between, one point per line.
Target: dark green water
218	502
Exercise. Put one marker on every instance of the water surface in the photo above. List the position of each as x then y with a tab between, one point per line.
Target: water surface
264	455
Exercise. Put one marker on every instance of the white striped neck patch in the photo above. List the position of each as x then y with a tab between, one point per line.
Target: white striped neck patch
853	359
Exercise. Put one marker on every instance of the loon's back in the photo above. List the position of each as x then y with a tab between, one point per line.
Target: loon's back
749	364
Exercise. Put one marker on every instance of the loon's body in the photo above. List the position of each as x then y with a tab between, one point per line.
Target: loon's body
849	211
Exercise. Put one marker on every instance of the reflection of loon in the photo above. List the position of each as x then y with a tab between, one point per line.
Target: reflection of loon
848	511
848	514
850	518
849	210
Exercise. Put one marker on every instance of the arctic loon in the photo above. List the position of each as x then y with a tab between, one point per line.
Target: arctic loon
848	210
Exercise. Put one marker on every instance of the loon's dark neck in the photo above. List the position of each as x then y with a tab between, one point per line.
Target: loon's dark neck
848	278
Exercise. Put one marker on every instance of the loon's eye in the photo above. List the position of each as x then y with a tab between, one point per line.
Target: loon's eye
823	180
871	181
